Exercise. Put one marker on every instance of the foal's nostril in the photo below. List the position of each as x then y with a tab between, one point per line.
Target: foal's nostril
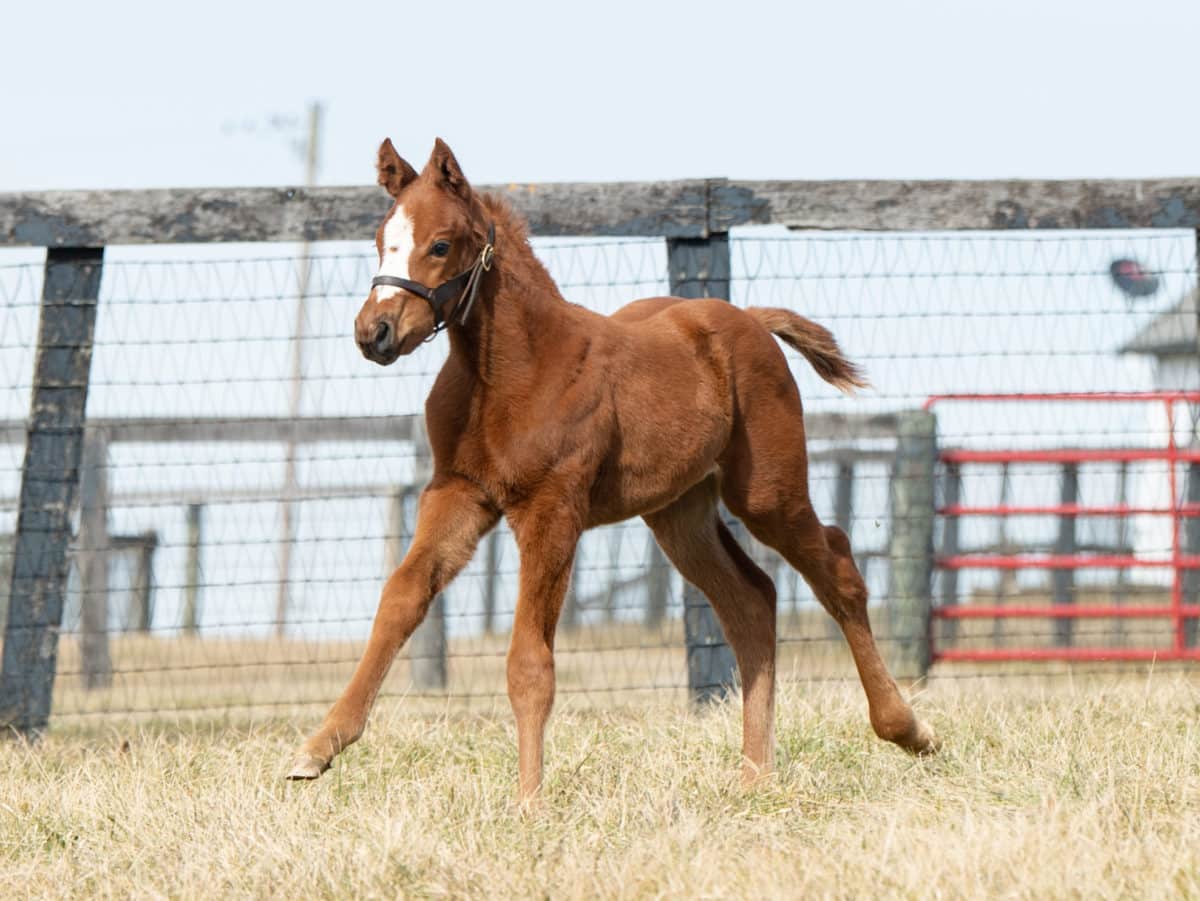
382	342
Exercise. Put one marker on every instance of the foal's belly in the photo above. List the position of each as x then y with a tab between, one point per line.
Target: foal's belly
656	459
616	502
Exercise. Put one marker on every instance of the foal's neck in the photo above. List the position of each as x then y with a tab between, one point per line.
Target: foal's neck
518	314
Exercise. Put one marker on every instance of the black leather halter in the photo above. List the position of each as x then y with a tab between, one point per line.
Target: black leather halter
464	286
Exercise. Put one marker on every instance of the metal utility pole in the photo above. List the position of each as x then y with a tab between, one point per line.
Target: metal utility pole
290	488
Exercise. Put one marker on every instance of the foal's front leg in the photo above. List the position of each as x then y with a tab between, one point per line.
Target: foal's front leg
546	539
453	516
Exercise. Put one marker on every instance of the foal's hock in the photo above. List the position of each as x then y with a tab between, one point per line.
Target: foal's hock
560	419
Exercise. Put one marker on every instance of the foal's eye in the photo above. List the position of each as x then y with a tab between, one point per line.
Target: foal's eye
440	248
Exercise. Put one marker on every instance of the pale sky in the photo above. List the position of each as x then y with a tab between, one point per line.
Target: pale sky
136	94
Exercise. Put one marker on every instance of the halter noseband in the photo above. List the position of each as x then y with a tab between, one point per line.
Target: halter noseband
465	285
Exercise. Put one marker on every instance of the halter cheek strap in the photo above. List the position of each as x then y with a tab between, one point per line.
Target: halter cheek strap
464	286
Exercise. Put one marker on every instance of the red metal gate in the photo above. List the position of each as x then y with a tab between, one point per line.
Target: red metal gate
1178	561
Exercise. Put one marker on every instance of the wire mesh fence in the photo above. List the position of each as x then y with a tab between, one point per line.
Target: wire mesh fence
243	559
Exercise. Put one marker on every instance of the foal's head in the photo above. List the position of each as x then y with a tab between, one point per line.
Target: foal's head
433	232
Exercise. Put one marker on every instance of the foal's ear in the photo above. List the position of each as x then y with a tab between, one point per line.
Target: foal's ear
446	168
393	172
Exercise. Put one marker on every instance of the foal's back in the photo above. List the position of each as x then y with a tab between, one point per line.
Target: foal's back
712	353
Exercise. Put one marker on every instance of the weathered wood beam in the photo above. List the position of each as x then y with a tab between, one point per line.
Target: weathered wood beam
207	215
211	497
689	208
850	426
311	429
307	430
955	205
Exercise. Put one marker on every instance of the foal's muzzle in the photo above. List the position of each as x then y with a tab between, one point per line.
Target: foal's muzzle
378	341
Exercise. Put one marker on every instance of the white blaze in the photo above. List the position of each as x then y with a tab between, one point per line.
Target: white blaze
397	249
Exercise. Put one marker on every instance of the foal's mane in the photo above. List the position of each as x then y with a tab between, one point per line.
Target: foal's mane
500	211
513	250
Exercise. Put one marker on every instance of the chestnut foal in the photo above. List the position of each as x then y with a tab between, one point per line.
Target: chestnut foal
560	419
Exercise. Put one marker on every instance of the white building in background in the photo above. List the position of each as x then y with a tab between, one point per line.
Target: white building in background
1172	340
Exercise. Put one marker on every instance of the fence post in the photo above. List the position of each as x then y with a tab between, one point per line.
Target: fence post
191	581
843	501
6	569
1123	545
427	646
700	267
92	557
1191	538
608	599
143	583
843	517
491	584
1006	580
910	549
571	612
1063	580
951	497
658	585
49	480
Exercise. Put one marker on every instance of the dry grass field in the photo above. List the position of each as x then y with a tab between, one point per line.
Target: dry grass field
1076	785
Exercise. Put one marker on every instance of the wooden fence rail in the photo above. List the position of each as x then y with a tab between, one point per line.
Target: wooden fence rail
691	208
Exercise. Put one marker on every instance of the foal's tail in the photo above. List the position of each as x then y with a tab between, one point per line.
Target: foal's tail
816	343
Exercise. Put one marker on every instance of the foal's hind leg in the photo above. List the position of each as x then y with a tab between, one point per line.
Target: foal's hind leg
831	572
765	484
692	535
822	555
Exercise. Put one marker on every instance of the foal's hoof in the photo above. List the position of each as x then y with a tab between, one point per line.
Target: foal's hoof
306	766
924	742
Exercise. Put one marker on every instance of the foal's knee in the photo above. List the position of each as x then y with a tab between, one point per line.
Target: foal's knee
408	593
531	678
